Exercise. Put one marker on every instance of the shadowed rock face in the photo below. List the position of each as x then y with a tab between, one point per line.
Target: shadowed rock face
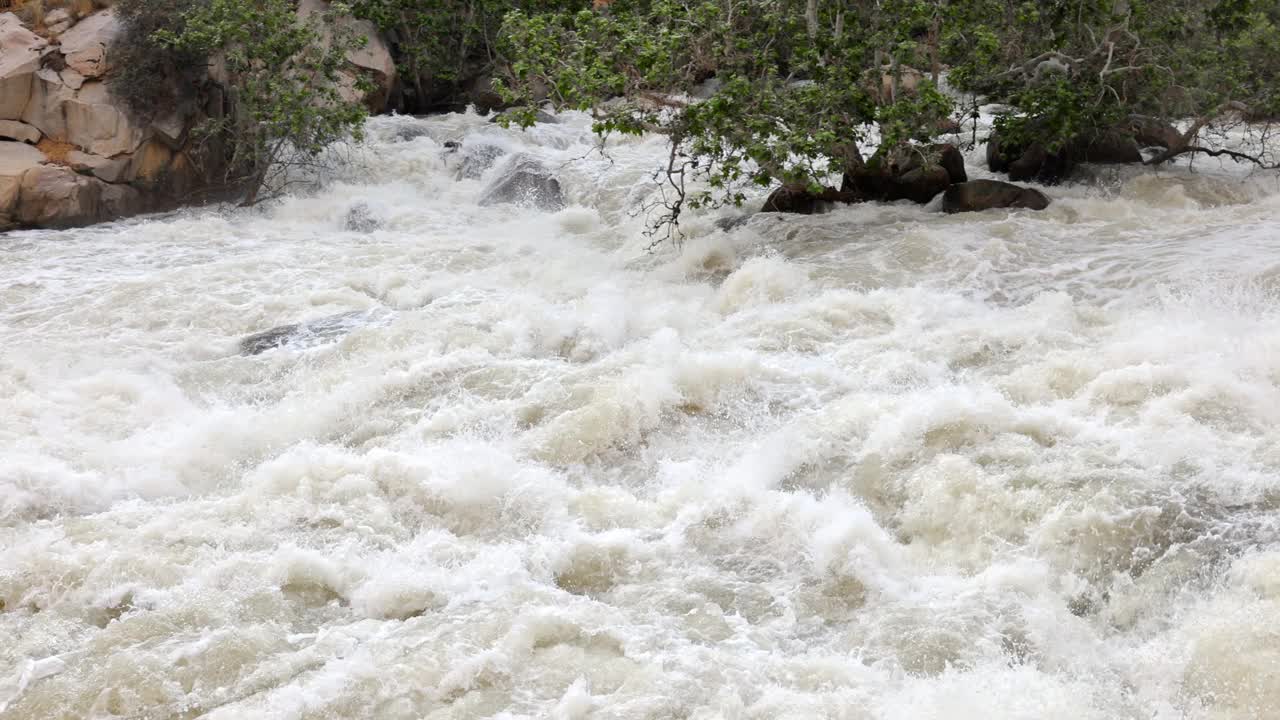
306	334
525	181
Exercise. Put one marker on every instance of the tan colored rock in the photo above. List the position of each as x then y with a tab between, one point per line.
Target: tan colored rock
85	44
373	60
109	169
45	110
96	124
55	196
71	78
20	131
150	162
57	22
15	160
19	60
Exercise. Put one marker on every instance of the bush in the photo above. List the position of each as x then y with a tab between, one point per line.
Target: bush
286	87
152	78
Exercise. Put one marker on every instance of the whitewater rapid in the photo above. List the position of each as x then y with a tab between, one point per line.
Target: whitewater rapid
878	464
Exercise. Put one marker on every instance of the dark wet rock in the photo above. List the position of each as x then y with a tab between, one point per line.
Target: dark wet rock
539	116
913	173
729	224
1153	132
524	181
1034	162
952	160
304	334
977	195
361	219
405	133
475	159
795	199
1110	147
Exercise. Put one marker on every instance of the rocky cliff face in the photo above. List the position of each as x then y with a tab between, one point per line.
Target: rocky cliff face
70	154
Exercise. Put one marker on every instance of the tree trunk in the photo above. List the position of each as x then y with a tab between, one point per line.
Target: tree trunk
935	69
811	19
894	71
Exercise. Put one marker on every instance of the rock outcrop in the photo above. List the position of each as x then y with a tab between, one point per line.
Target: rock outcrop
977	195
71	154
373	60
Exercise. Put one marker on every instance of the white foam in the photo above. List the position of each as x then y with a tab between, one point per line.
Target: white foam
880	463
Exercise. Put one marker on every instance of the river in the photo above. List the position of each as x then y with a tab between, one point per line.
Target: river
877	464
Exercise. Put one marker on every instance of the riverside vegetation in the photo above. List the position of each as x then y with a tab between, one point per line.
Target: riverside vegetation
829	101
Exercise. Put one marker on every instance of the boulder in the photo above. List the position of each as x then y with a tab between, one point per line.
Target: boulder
95	123
85	44
524	181
305	334
16	159
540	117
107	169
360	218
71	78
20	131
373	60
55	196
19	60
46	109
121	201
1108	147
57	22
475	159
405	133
1028	163
952	160
976	195
794	198
916	173
1152	132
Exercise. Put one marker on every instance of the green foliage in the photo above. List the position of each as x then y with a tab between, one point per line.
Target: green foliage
285	84
440	44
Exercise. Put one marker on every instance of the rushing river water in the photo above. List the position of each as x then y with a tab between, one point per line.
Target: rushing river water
879	464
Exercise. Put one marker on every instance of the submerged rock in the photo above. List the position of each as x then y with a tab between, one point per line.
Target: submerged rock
361	219
540	116
405	133
306	334
474	159
525	181
977	195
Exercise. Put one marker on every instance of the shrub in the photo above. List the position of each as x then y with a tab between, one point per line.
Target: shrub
150	77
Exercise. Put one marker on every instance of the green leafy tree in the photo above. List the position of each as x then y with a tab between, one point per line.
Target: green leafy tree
289	97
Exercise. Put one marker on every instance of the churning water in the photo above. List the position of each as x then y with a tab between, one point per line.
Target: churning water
879	464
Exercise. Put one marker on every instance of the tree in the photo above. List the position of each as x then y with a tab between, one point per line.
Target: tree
791	101
802	84
288	98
